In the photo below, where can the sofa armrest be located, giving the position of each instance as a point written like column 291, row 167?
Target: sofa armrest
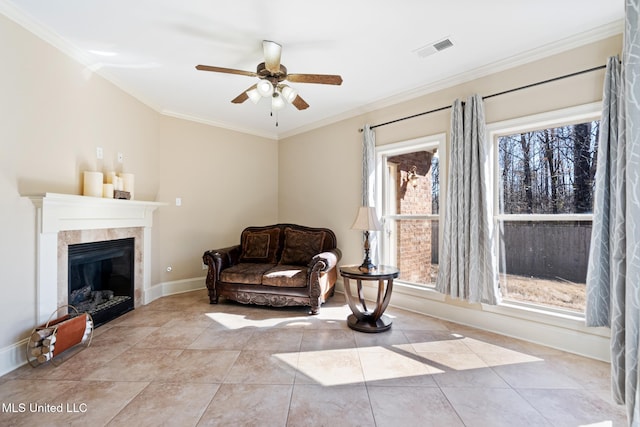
column 322, row 276
column 222, row 258
column 329, row 259
column 217, row 260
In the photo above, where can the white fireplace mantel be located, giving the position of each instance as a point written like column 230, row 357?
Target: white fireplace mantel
column 64, row 212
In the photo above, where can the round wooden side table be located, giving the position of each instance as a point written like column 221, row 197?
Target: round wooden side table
column 364, row 319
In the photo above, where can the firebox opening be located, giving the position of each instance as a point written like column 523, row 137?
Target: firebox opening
column 101, row 278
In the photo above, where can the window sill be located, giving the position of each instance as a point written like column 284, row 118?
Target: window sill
column 510, row 307
column 539, row 314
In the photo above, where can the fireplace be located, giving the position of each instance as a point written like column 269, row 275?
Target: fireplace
column 63, row 220
column 101, row 278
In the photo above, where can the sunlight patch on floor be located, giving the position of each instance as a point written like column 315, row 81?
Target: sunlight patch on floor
column 381, row 363
column 239, row 321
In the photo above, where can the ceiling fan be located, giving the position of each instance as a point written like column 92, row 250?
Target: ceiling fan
column 272, row 74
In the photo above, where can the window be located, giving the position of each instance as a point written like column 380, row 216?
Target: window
column 545, row 170
column 408, row 177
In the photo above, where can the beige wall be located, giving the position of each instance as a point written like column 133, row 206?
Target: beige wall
column 54, row 115
column 313, row 192
column 226, row 180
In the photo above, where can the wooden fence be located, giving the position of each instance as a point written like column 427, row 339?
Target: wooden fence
column 547, row 250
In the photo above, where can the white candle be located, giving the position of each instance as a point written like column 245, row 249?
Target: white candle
column 107, row 191
column 92, row 184
column 110, row 176
column 128, row 180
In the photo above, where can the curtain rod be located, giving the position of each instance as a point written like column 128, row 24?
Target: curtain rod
column 599, row 67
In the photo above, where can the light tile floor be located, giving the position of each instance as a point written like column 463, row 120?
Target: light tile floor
column 180, row 361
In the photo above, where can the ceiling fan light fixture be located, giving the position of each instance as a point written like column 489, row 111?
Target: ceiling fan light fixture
column 277, row 102
column 288, row 93
column 254, row 95
column 271, row 73
column 265, row 88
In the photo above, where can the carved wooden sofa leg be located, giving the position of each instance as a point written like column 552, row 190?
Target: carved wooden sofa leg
column 315, row 309
column 213, row 297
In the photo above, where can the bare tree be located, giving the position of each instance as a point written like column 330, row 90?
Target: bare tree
column 435, row 185
column 525, row 143
column 548, row 137
column 550, row 170
column 582, row 192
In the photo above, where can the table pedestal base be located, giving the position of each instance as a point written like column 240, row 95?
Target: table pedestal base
column 368, row 324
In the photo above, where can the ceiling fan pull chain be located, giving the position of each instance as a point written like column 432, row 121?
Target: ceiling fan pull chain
column 271, row 114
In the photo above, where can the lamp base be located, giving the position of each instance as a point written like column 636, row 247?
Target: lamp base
column 367, row 266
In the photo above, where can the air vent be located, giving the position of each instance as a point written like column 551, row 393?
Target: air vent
column 432, row 48
column 444, row 44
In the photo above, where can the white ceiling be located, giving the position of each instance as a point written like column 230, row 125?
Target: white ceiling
column 150, row 48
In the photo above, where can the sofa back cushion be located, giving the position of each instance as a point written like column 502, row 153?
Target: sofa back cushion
column 301, row 245
column 260, row 246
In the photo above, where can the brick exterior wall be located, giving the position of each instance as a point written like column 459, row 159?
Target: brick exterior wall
column 414, row 236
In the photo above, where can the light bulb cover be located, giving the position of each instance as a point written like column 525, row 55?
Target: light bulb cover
column 289, row 93
column 265, row 88
column 254, row 95
column 277, row 102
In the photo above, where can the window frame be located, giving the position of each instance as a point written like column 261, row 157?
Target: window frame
column 382, row 191
column 550, row 119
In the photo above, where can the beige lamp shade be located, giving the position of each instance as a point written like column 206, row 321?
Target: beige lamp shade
column 366, row 220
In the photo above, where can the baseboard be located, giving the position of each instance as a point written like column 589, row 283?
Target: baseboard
column 174, row 287
column 564, row 333
column 13, row 356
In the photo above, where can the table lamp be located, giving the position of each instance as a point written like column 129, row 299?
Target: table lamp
column 366, row 220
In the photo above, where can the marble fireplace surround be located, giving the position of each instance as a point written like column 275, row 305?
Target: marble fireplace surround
column 63, row 219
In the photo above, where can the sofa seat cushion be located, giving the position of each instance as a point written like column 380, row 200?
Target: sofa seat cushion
column 248, row 273
column 287, row 276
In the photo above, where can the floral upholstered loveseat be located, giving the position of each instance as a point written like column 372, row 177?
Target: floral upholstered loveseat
column 277, row 265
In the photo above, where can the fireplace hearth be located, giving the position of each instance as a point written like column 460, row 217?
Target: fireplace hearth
column 101, row 278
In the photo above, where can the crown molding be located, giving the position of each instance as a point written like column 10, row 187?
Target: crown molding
column 563, row 45
column 578, row 40
column 599, row 33
column 222, row 125
column 32, row 25
column 54, row 39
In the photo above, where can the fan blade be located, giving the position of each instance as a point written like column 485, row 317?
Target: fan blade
column 225, row 70
column 324, row 79
column 243, row 96
column 300, row 103
column 240, row 98
column 272, row 53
